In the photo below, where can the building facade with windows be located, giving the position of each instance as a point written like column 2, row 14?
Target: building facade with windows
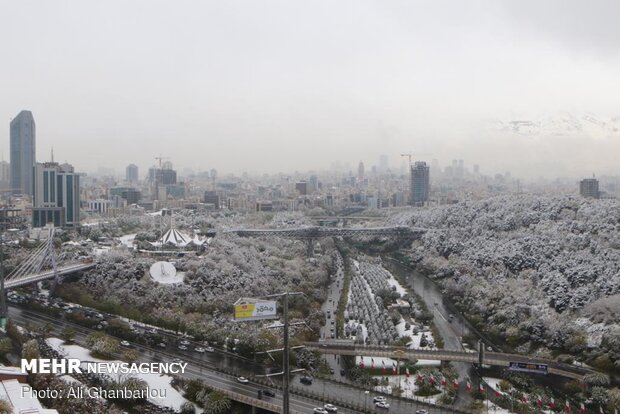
column 23, row 153
column 56, row 195
column 420, row 183
column 588, row 187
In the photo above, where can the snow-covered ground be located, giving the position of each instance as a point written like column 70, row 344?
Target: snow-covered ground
column 408, row 388
column 166, row 273
column 174, row 399
column 127, row 240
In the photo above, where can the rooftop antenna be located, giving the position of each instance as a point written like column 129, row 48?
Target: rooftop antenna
column 52, row 154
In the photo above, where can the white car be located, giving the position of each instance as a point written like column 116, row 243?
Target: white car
column 243, row 380
column 184, row 342
column 319, row 410
column 379, row 398
column 125, row 343
column 382, row 404
column 199, row 349
column 182, row 347
column 209, row 349
column 330, row 407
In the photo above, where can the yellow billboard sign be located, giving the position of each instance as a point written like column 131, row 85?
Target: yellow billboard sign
column 252, row 309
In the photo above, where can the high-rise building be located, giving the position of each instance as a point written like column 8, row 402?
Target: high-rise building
column 131, row 173
column 420, row 183
column 360, row 171
column 23, row 153
column 56, row 197
column 588, row 187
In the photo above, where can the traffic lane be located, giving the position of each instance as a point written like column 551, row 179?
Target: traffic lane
column 451, row 332
column 331, row 391
column 217, row 380
column 195, row 369
column 221, row 360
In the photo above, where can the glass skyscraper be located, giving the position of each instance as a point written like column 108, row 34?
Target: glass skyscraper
column 23, row 153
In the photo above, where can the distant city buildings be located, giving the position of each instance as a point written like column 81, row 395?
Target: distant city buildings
column 23, row 153
column 588, row 187
column 131, row 173
column 56, row 197
column 302, row 187
column 211, row 197
column 420, row 183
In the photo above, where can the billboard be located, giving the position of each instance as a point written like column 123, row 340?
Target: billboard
column 254, row 309
column 528, row 367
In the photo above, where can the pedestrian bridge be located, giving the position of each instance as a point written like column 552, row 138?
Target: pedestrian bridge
column 481, row 357
column 41, row 265
column 314, row 232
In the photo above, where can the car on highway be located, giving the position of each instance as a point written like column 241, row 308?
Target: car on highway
column 319, row 410
column 184, row 342
column 269, row 393
column 379, row 398
column 421, row 412
column 242, row 380
column 331, row 371
column 161, row 344
column 330, row 407
column 209, row 349
column 343, row 372
column 306, row 380
column 182, row 347
column 382, row 404
column 125, row 343
column 199, row 349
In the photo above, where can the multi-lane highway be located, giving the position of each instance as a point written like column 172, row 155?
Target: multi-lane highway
column 210, row 368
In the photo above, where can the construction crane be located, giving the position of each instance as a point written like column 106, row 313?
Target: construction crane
column 160, row 158
column 409, row 155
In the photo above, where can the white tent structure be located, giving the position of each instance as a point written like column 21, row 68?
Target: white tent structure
column 176, row 238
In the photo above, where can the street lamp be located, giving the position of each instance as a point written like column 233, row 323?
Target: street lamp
column 365, row 398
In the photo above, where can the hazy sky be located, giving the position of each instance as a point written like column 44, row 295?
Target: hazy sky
column 267, row 86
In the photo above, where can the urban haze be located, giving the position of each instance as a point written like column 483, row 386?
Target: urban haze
column 321, row 207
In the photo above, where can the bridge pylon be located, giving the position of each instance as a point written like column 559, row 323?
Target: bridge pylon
column 43, row 256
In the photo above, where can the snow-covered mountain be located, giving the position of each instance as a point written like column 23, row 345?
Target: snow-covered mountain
column 562, row 124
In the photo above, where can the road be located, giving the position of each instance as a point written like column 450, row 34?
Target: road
column 207, row 367
column 452, row 332
column 331, row 306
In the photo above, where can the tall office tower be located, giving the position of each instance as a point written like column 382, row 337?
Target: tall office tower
column 56, row 197
column 360, row 171
column 588, row 187
column 23, row 153
column 420, row 183
column 131, row 173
